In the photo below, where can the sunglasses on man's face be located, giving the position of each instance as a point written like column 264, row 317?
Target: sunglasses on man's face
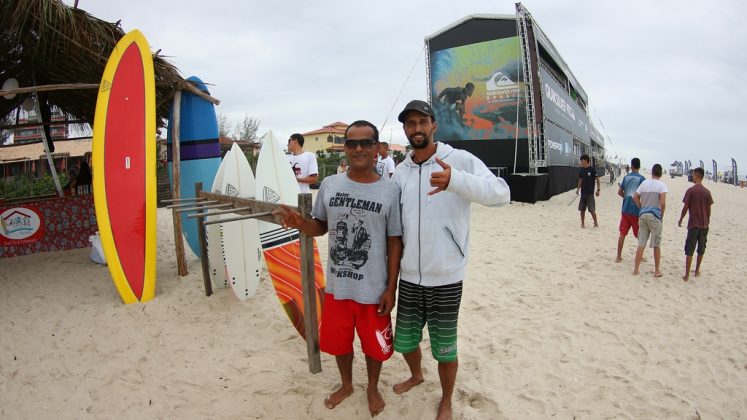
column 365, row 143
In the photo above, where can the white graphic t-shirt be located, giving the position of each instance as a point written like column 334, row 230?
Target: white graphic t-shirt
column 303, row 165
column 385, row 166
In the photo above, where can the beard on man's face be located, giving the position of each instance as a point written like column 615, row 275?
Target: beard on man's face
column 418, row 144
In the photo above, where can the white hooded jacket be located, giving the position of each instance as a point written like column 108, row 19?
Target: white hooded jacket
column 436, row 227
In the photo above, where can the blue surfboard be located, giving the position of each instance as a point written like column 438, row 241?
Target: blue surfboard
column 199, row 152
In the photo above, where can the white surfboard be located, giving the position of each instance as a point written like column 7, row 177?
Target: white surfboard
column 214, row 235
column 241, row 246
column 275, row 184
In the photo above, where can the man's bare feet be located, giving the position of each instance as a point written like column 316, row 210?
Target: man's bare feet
column 635, row 272
column 685, row 277
column 337, row 397
column 596, row 225
column 658, row 274
column 407, row 385
column 444, row 411
column 697, row 274
column 376, row 402
column 618, row 259
column 583, row 227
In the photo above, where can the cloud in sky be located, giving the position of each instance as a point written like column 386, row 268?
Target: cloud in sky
column 662, row 77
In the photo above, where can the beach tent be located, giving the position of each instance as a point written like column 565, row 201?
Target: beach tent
column 57, row 53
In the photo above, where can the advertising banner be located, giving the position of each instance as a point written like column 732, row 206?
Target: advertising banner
column 559, row 145
column 734, row 173
column 559, row 108
column 476, row 91
column 20, row 225
column 715, row 171
column 51, row 224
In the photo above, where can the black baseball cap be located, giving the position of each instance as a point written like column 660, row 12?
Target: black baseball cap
column 416, row 105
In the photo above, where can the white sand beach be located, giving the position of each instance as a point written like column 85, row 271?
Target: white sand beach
column 550, row 327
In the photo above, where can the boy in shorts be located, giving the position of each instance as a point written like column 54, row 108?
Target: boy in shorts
column 698, row 201
column 629, row 217
column 361, row 212
column 651, row 198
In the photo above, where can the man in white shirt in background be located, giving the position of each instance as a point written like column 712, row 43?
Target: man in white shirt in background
column 302, row 162
column 651, row 199
column 384, row 163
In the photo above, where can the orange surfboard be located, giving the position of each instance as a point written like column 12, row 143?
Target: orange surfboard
column 282, row 250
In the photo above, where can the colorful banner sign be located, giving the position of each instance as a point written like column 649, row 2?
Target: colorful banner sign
column 476, row 92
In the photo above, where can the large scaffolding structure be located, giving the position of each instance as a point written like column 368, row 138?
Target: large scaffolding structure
column 536, row 140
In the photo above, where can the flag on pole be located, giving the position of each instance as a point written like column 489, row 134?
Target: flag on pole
column 734, row 176
column 715, row 171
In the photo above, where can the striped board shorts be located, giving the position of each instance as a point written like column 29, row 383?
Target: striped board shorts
column 436, row 306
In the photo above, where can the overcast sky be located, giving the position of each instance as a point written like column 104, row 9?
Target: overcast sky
column 662, row 77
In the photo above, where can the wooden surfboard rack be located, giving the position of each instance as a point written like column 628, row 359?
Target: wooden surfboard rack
column 259, row 210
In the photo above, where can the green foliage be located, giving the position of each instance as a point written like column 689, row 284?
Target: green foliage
column 25, row 185
column 327, row 163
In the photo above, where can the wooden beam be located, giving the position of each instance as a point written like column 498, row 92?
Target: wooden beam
column 233, row 219
column 246, row 206
column 186, row 85
column 308, row 286
column 205, row 207
column 202, row 235
column 214, row 213
column 38, row 124
column 181, row 259
column 48, row 88
column 189, row 203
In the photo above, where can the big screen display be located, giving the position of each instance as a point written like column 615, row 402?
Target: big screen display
column 476, row 92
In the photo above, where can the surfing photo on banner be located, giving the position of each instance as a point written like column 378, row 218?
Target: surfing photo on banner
column 476, row 91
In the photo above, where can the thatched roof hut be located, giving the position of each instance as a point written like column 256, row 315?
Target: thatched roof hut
column 45, row 42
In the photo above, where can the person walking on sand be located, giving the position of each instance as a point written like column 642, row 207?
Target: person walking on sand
column 303, row 163
column 361, row 212
column 629, row 216
column 587, row 175
column 651, row 198
column 438, row 183
column 698, row 202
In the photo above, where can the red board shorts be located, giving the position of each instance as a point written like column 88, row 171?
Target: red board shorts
column 342, row 318
column 628, row 221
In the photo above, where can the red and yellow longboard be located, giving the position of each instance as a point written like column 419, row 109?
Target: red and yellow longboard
column 124, row 167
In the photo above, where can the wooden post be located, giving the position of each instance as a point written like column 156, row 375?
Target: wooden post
column 45, row 140
column 181, row 260
column 203, row 247
column 308, row 286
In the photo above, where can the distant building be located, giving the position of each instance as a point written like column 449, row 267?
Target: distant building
column 331, row 137
column 30, row 158
column 31, row 134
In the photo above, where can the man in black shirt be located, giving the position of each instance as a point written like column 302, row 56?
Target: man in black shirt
column 586, row 177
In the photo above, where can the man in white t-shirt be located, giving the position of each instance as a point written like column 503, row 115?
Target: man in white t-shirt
column 651, row 199
column 384, row 163
column 302, row 162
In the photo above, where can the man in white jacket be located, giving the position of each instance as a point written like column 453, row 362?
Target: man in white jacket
column 438, row 184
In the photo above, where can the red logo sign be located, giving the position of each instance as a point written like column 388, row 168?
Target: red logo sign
column 20, row 225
